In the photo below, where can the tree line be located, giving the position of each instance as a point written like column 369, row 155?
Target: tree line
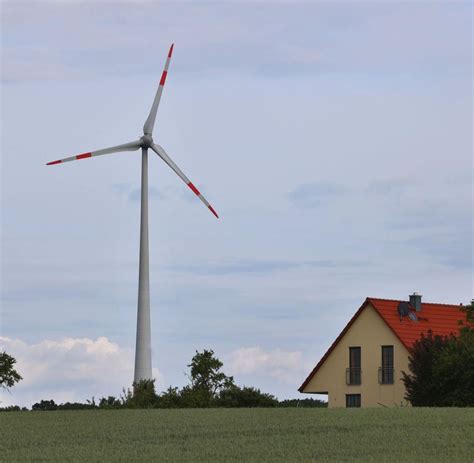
column 208, row 387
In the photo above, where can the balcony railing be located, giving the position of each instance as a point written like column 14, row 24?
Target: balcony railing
column 386, row 375
column 353, row 376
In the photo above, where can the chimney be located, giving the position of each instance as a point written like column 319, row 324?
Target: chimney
column 415, row 301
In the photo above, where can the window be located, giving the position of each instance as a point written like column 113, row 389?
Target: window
column 352, row 400
column 386, row 370
column 353, row 373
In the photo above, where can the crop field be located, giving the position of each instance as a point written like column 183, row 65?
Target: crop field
column 247, row 435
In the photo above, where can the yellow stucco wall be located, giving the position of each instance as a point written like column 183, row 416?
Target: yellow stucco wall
column 369, row 332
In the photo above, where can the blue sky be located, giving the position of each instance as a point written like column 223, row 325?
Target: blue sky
column 333, row 139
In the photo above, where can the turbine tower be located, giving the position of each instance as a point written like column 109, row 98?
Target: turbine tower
column 143, row 342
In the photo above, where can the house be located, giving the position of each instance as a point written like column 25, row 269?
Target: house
column 363, row 367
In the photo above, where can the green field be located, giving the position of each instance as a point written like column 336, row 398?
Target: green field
column 247, row 435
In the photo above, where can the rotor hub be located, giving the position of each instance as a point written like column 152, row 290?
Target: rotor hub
column 147, row 141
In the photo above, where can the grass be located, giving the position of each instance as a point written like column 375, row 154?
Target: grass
column 247, row 435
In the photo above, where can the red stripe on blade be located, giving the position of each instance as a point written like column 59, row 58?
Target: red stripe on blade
column 163, row 78
column 53, row 162
column 213, row 211
column 196, row 191
column 171, row 50
column 84, row 155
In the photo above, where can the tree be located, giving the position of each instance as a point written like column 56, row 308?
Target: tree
column 8, row 375
column 110, row 402
column 454, row 370
column 421, row 388
column 441, row 371
column 45, row 405
column 191, row 397
column 207, row 379
column 171, row 398
column 211, row 387
column 143, row 396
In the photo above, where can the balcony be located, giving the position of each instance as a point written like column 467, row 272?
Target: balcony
column 386, row 375
column 353, row 376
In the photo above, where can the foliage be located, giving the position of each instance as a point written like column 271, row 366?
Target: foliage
column 110, row 402
column 51, row 405
column 191, row 397
column 75, row 406
column 468, row 311
column 454, row 371
column 441, row 371
column 244, row 397
column 260, row 435
column 207, row 379
column 13, row 408
column 421, row 390
column 144, row 395
column 8, row 375
column 303, row 403
column 45, row 405
column 171, row 398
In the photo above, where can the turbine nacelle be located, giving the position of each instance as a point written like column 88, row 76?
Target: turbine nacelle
column 146, row 141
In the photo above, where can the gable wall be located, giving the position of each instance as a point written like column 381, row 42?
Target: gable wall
column 369, row 332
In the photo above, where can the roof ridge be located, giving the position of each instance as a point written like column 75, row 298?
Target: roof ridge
column 423, row 302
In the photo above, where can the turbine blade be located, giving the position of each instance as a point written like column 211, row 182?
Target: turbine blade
column 132, row 146
column 162, row 154
column 150, row 122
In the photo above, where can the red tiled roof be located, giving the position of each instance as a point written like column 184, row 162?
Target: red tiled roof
column 441, row 319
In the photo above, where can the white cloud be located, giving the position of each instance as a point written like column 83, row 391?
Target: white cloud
column 277, row 363
column 69, row 369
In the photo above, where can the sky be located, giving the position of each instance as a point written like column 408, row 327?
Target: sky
column 334, row 139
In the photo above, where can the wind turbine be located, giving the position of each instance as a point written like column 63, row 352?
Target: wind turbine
column 143, row 341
